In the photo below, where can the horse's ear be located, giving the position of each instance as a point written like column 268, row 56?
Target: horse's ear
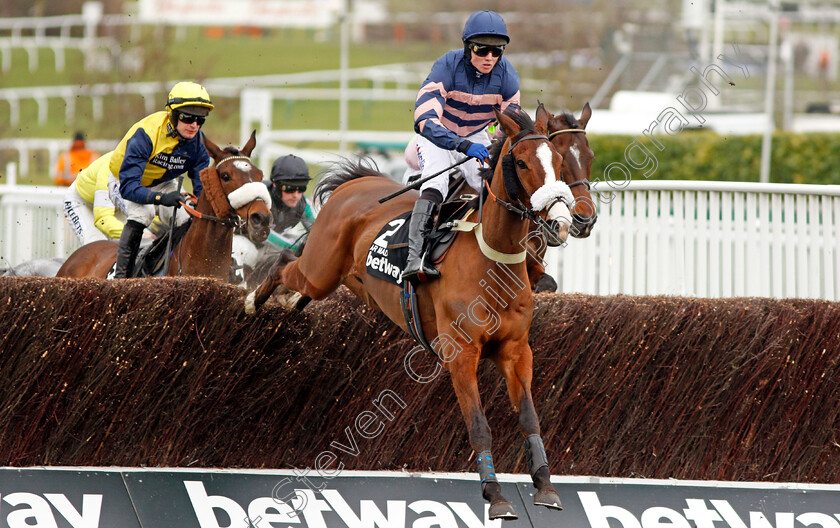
column 212, row 149
column 249, row 146
column 543, row 117
column 509, row 126
column 585, row 115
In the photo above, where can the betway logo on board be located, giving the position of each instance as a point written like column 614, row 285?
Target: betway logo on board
column 329, row 508
column 30, row 510
column 218, row 511
column 699, row 513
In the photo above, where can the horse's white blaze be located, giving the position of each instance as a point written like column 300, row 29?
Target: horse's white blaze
column 243, row 165
column 575, row 153
column 544, row 154
column 560, row 212
column 248, row 193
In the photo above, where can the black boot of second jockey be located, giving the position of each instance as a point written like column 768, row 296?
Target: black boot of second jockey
column 421, row 222
column 129, row 247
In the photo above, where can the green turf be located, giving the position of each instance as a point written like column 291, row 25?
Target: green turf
column 192, row 55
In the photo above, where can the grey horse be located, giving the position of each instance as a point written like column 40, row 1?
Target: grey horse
column 44, row 267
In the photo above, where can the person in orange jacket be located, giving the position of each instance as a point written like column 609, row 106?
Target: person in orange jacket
column 73, row 161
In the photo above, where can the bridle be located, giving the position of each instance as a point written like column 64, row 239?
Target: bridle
column 233, row 220
column 513, row 183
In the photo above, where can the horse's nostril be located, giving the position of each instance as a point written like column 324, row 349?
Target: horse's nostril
column 258, row 219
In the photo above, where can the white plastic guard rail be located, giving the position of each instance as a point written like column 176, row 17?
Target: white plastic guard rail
column 32, row 223
column 701, row 239
column 707, row 239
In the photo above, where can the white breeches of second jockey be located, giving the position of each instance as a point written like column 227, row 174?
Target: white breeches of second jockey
column 434, row 159
column 79, row 213
column 145, row 213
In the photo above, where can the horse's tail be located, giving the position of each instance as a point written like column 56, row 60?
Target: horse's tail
column 342, row 172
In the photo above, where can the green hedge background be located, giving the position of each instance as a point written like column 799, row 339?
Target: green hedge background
column 702, row 155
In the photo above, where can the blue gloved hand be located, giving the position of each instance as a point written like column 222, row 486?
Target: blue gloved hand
column 473, row 150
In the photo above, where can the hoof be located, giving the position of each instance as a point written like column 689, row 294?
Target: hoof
column 502, row 510
column 289, row 300
column 545, row 283
column 250, row 309
column 549, row 499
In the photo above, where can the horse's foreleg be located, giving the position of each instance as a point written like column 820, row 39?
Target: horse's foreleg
column 463, row 371
column 518, row 373
column 274, row 280
column 539, row 280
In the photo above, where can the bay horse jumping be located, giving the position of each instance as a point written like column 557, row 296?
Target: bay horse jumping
column 568, row 135
column 481, row 307
column 233, row 194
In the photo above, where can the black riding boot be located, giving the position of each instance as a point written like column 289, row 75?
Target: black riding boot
column 421, row 222
column 129, row 246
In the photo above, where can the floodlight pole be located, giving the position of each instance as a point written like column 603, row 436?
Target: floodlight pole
column 343, row 67
column 769, row 92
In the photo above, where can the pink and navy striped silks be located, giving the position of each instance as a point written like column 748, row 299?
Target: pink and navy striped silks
column 456, row 100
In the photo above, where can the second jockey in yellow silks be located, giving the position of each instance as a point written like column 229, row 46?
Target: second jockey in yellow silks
column 147, row 161
column 88, row 206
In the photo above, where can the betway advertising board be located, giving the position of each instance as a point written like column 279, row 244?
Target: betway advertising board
column 162, row 498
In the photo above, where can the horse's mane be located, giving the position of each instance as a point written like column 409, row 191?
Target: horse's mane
column 524, row 121
column 342, row 172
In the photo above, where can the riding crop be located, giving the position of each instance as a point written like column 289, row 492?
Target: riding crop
column 418, row 183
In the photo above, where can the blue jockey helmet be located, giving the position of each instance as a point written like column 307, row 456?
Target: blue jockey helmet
column 486, row 27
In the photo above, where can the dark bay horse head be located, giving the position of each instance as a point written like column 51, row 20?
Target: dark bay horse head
column 568, row 135
column 530, row 167
column 235, row 189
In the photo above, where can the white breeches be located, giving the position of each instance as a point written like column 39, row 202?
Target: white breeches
column 80, row 215
column 434, row 159
column 145, row 213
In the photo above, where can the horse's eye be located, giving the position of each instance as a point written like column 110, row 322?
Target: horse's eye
column 521, row 164
column 225, row 176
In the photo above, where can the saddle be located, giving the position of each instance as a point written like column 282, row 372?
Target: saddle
column 388, row 254
column 151, row 256
column 443, row 234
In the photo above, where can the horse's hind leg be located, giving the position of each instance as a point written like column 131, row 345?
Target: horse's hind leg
column 463, row 372
column 517, row 370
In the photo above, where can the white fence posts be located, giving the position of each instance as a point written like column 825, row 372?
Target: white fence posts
column 699, row 239
column 708, row 239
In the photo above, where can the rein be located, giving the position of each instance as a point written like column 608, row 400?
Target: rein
column 231, row 221
column 519, row 209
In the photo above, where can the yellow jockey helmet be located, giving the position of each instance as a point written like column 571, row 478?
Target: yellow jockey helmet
column 189, row 94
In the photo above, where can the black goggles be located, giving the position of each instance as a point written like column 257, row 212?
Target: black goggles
column 190, row 119
column 483, row 49
column 292, row 188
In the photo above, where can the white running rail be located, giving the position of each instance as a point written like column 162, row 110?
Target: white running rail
column 32, row 224
column 708, row 239
column 699, row 239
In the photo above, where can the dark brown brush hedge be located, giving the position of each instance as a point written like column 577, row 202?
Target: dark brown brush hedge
column 171, row 372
